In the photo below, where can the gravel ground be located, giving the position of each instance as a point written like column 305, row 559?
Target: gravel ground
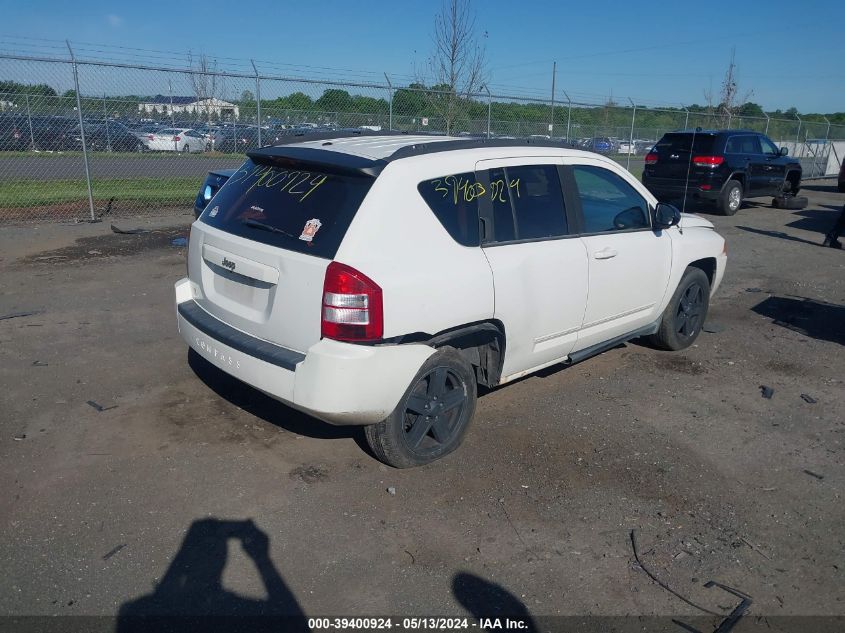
column 195, row 492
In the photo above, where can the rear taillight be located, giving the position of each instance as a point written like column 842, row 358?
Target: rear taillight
column 352, row 305
column 151, row 137
column 176, row 138
column 708, row 161
column 650, row 158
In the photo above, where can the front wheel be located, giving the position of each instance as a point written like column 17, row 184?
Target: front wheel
column 186, row 149
column 682, row 319
column 731, row 198
column 433, row 415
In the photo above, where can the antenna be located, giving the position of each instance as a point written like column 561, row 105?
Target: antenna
column 689, row 166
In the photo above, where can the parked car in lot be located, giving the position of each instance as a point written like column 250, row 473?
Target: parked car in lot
column 627, row 147
column 14, row 133
column 236, row 140
column 48, row 133
column 600, row 144
column 353, row 277
column 643, row 147
column 176, row 140
column 108, row 136
column 213, row 181
column 719, row 168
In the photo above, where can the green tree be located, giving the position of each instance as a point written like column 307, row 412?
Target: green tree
column 13, row 87
column 299, row 101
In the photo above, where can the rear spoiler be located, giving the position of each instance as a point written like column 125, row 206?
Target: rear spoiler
column 318, row 159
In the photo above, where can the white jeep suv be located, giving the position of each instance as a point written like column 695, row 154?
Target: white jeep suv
column 378, row 279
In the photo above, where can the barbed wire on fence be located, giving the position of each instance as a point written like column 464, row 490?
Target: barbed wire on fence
column 80, row 137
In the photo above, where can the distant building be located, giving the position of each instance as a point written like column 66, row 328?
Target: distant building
column 216, row 108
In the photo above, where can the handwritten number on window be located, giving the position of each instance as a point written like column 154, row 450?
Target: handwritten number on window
column 461, row 189
column 296, row 183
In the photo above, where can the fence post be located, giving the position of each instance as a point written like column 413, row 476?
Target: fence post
column 82, row 131
column 170, row 89
column 489, row 108
column 631, row 137
column 767, row 124
column 106, row 123
column 686, row 120
column 389, row 103
column 568, row 116
column 29, row 120
column 552, row 122
column 257, row 100
column 798, row 134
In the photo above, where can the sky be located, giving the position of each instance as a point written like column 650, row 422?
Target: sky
column 654, row 53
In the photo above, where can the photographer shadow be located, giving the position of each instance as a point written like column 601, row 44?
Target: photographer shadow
column 191, row 595
column 486, row 600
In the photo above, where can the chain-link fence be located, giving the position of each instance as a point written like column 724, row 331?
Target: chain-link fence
column 80, row 139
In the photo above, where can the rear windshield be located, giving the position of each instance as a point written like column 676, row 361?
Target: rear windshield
column 298, row 209
column 684, row 143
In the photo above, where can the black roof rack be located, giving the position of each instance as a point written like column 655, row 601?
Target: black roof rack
column 305, row 136
column 351, row 163
column 472, row 143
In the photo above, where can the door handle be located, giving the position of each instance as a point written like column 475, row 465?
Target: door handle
column 605, row 253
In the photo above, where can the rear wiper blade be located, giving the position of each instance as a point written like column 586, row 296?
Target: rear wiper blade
column 267, row 227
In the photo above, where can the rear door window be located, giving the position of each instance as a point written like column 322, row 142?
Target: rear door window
column 527, row 203
column 296, row 208
column 742, row 144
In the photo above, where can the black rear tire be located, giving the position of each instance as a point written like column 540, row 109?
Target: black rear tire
column 682, row 319
column 730, row 200
column 433, row 415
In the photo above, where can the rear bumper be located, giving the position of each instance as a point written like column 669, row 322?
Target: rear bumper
column 339, row 383
column 667, row 190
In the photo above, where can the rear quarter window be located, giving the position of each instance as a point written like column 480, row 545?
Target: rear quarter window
column 454, row 201
column 294, row 207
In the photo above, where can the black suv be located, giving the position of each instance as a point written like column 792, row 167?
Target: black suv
column 719, row 166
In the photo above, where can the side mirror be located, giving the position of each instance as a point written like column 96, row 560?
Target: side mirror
column 666, row 216
column 784, row 151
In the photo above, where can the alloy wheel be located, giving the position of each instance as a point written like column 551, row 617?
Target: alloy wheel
column 690, row 311
column 434, row 410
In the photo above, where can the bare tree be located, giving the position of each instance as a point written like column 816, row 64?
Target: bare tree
column 205, row 81
column 458, row 61
column 731, row 102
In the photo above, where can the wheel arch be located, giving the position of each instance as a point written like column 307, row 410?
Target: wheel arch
column 482, row 344
column 793, row 176
column 739, row 176
column 707, row 265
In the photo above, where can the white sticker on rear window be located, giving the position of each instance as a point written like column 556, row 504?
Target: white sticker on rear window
column 310, row 230
column 214, row 211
